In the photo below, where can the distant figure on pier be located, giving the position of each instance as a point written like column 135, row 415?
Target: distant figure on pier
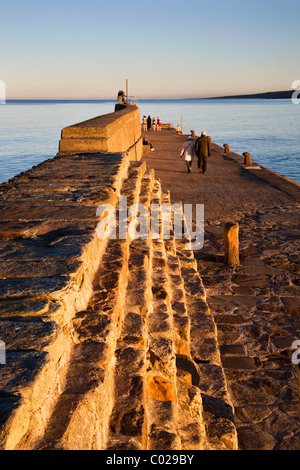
column 149, row 123
column 158, row 126
column 147, row 142
column 178, row 129
column 202, row 150
column 144, row 123
column 121, row 97
column 188, row 152
column 154, row 124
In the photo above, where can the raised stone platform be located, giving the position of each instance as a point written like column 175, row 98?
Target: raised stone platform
column 115, row 132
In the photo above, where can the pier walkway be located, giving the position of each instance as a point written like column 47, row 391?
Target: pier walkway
column 255, row 305
column 128, row 343
column 228, row 190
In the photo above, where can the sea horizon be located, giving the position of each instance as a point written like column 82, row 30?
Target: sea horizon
column 267, row 128
column 83, row 100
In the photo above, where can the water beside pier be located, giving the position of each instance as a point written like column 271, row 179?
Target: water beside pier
column 268, row 129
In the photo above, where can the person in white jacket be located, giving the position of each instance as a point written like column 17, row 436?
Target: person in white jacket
column 188, row 152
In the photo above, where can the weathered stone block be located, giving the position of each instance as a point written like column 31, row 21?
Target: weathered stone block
column 44, row 287
column 9, row 407
column 128, row 418
column 238, row 362
column 163, row 439
column 159, row 388
column 25, row 309
column 21, row 370
column 28, row 335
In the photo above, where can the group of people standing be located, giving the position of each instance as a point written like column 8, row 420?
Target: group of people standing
column 151, row 124
column 196, row 147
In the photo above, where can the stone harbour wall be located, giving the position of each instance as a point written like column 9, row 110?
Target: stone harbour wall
column 110, row 344
column 115, row 132
column 49, row 255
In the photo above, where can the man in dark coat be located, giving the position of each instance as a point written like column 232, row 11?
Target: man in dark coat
column 202, row 150
column 149, row 123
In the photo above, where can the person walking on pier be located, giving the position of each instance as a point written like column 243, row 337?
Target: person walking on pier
column 144, row 123
column 149, row 123
column 188, row 152
column 202, row 150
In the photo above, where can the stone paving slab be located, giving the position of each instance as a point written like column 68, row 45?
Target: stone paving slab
column 26, row 309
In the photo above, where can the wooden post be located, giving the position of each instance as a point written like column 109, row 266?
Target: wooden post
column 231, row 235
column 247, row 158
column 226, row 148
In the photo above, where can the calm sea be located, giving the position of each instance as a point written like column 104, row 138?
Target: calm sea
column 268, row 129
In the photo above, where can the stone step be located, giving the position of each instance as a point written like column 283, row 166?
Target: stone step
column 128, row 414
column 202, row 422
column 81, row 415
column 161, row 378
column 89, row 145
column 190, row 427
column 145, row 412
column 161, row 392
column 215, row 429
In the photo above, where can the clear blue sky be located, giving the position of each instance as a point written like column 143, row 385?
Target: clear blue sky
column 70, row 49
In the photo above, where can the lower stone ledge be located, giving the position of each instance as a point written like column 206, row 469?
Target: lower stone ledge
column 35, row 378
column 36, row 312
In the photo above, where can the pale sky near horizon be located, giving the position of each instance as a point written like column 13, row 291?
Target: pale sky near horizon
column 69, row 49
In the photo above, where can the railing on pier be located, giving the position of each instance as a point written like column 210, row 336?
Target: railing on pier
column 132, row 100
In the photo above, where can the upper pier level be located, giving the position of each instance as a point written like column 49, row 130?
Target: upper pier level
column 119, row 131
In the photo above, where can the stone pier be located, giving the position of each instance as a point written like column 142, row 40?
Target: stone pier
column 142, row 344
column 110, row 344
